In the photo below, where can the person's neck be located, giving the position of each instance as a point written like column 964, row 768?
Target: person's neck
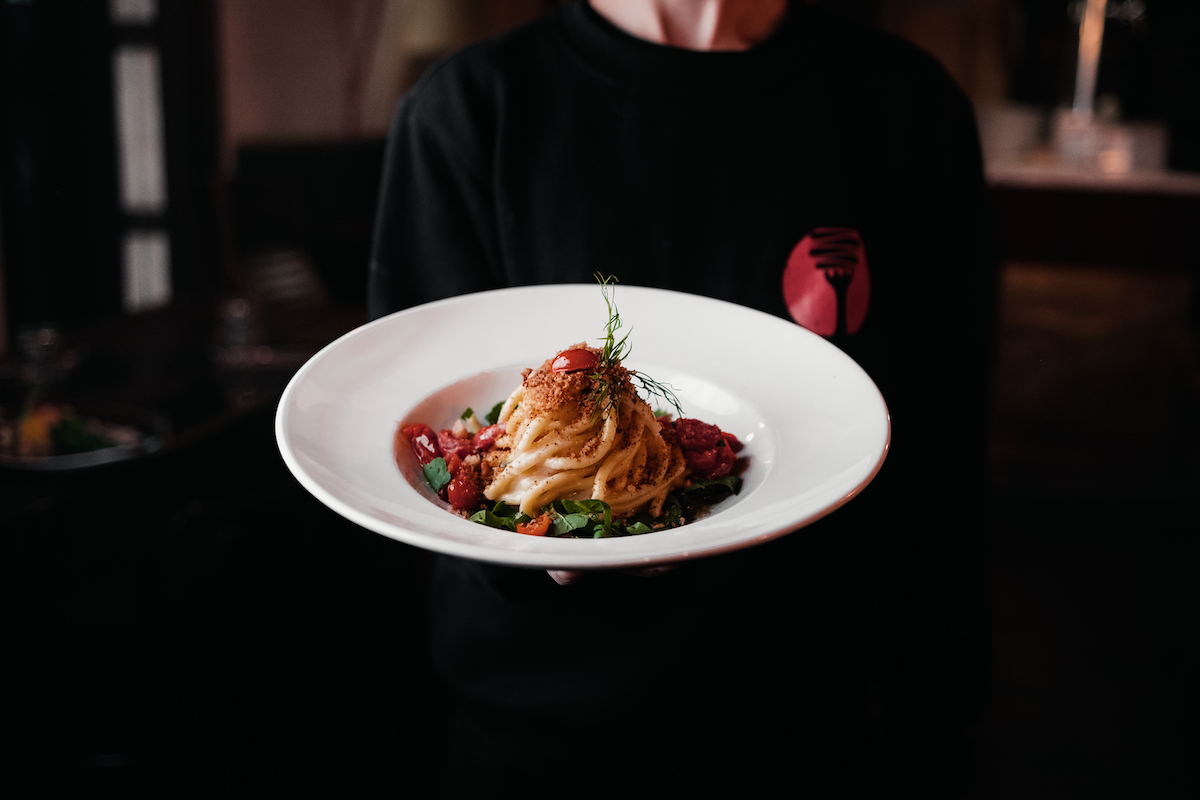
column 696, row 24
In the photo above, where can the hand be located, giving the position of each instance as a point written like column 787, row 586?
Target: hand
column 565, row 577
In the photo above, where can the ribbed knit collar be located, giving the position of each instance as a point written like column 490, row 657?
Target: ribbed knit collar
column 642, row 64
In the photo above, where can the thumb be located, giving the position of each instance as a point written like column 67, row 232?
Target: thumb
column 564, row 577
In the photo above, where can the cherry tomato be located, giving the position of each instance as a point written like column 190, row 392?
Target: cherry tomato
column 732, row 442
column 713, row 462
column 423, row 441
column 449, row 443
column 702, row 461
column 574, row 360
column 487, row 436
column 697, row 435
column 453, row 463
column 726, row 458
column 463, row 493
column 538, row 526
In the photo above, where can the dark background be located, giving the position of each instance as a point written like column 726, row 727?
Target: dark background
column 195, row 624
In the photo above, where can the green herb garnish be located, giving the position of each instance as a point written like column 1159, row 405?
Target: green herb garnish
column 614, row 351
column 707, row 492
column 493, row 416
column 501, row 515
column 592, row 519
column 437, row 473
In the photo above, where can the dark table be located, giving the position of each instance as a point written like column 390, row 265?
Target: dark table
column 192, row 622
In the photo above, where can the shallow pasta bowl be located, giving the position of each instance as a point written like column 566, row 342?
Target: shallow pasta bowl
column 815, row 427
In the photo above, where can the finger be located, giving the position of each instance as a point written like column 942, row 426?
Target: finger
column 564, row 577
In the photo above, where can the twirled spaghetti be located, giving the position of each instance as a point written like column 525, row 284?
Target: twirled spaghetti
column 579, row 434
column 575, row 451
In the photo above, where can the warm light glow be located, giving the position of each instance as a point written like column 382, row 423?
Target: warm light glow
column 1091, row 33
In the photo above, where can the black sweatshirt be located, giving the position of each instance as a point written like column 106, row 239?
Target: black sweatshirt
column 566, row 148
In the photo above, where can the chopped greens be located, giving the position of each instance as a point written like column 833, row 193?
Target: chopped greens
column 501, row 515
column 470, row 412
column 592, row 519
column 708, row 492
column 493, row 416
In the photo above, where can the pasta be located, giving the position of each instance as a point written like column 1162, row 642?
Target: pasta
column 575, row 451
column 582, row 434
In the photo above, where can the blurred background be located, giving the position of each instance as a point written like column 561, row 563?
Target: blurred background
column 187, row 190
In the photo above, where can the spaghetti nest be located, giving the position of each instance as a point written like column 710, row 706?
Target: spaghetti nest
column 581, row 435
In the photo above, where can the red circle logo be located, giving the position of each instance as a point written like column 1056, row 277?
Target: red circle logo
column 826, row 283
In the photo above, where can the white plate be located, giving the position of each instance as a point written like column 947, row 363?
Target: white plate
column 815, row 427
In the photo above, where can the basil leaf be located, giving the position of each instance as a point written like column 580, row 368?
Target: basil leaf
column 501, row 515
column 436, row 473
column 503, row 509
column 709, row 492
column 467, row 414
column 604, row 525
column 565, row 524
column 589, row 507
column 494, row 415
column 583, row 518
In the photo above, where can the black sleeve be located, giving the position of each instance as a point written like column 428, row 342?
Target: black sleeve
column 435, row 231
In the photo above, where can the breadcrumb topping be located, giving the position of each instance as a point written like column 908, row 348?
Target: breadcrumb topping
column 572, row 393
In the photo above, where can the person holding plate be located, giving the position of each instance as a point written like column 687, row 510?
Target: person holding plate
column 769, row 154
